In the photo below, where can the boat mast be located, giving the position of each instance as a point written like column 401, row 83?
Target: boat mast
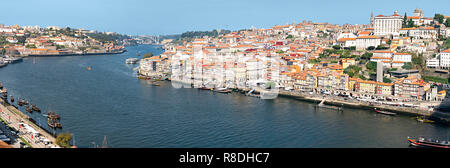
column 105, row 143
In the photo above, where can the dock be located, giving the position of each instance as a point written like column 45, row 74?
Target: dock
column 16, row 119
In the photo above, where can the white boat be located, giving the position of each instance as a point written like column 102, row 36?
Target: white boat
column 131, row 60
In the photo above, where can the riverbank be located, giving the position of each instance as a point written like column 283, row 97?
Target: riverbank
column 39, row 138
column 77, row 54
column 438, row 116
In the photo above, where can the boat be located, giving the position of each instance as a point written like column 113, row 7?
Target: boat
column 384, row 112
column 428, row 143
column 1, row 85
column 155, row 84
column 28, row 109
column 139, row 54
column 88, row 68
column 52, row 115
column 20, row 102
column 131, row 60
column 54, row 123
column 12, row 99
column 224, row 91
column 33, row 107
column 424, row 119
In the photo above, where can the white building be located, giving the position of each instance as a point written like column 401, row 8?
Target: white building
column 404, row 57
column 388, row 25
column 432, row 63
column 444, row 59
column 366, row 41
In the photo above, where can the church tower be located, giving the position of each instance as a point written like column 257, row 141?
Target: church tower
column 371, row 19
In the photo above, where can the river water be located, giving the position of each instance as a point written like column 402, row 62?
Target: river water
column 110, row 101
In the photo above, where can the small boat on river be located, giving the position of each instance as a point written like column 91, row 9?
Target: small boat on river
column 28, row 109
column 424, row 119
column 384, row 112
column 33, row 107
column 12, row 99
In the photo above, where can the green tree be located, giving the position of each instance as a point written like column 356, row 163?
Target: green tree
column 439, row 17
column 336, row 47
column 371, row 48
column 410, row 23
column 148, row 55
column 387, row 80
column 352, row 70
column 372, row 66
column 63, row 140
column 366, row 56
column 407, row 65
column 447, row 23
column 404, row 22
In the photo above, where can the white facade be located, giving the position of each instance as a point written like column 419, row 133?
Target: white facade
column 404, row 57
column 444, row 59
column 367, row 41
column 432, row 63
column 387, row 25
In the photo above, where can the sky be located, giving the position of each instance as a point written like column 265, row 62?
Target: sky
column 164, row 17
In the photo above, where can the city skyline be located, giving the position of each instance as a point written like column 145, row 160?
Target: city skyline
column 140, row 17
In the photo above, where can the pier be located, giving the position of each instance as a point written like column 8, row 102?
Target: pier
column 16, row 119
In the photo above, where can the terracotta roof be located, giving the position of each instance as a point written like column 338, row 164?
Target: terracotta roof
column 368, row 37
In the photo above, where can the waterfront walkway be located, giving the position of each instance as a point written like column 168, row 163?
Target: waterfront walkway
column 17, row 119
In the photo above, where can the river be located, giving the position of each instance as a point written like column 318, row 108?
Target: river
column 110, row 101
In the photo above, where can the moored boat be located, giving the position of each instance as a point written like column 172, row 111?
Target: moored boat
column 384, row 112
column 33, row 107
column 28, row 109
column 424, row 119
column 429, row 143
column 12, row 99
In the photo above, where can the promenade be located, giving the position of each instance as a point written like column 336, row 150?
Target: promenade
column 17, row 120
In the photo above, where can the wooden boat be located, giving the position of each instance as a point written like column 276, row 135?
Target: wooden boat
column 424, row 119
column 384, row 112
column 12, row 99
column 205, row 88
column 33, row 107
column 54, row 123
column 28, row 109
column 20, row 102
column 52, row 115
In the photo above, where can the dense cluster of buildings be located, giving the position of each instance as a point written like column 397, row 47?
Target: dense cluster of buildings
column 294, row 57
column 52, row 40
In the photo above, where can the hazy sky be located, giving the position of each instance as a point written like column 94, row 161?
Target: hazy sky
column 152, row 17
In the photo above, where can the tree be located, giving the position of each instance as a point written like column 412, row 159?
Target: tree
column 366, row 56
column 407, row 65
column 371, row 48
column 63, row 140
column 405, row 18
column 439, row 17
column 372, row 66
column 387, row 80
column 148, row 55
column 410, row 23
column 447, row 22
column 352, row 70
column 336, row 47
column 290, row 36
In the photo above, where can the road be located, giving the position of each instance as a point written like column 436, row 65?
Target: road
column 13, row 120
